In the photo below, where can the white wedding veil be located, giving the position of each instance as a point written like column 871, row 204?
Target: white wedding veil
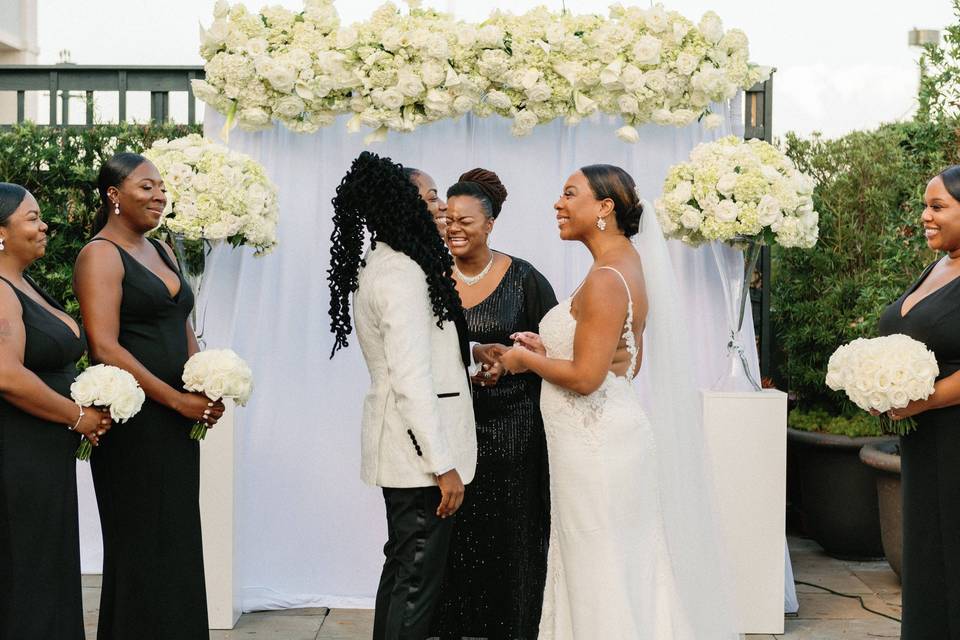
column 699, row 562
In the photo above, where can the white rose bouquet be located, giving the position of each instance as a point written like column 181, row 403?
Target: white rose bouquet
column 881, row 374
column 732, row 189
column 214, row 193
column 108, row 387
column 218, row 374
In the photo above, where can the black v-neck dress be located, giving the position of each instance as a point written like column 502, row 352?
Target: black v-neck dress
column 930, row 473
column 40, row 594
column 147, row 477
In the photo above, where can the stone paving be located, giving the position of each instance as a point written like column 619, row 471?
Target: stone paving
column 823, row 616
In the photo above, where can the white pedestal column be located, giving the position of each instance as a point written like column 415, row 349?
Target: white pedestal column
column 747, row 440
column 217, row 514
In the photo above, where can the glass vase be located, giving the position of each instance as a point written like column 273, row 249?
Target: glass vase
column 735, row 277
column 192, row 256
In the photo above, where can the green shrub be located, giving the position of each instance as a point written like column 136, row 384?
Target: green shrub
column 59, row 166
column 862, row 424
column 871, row 247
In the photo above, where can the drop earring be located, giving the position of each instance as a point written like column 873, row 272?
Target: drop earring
column 601, row 223
column 1, row 244
column 116, row 208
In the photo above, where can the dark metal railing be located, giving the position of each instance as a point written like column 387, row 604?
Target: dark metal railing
column 758, row 123
column 62, row 79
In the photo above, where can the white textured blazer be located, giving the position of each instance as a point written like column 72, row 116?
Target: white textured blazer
column 418, row 414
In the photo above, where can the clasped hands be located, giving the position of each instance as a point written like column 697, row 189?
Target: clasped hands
column 497, row 360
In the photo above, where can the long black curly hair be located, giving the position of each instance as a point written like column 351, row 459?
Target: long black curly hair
column 377, row 195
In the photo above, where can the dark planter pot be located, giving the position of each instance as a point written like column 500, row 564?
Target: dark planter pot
column 838, row 494
column 884, row 458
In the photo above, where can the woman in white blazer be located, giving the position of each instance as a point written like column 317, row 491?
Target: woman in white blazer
column 418, row 436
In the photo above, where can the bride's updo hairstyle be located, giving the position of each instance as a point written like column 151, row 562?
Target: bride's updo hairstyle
column 609, row 181
column 485, row 186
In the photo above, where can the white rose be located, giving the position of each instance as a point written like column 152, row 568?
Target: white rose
column 438, row 101
column 392, row 39
column 628, row 104
column 656, row 19
column 346, row 37
column 583, row 104
column 711, row 27
column 253, row 118
column 289, row 107
column 498, row 100
column 490, row 37
column 628, row 134
column 436, row 46
column 727, row 183
column 726, row 211
column 433, row 73
column 691, row 218
column 687, row 63
column 632, row 78
column 391, row 98
column 523, row 123
column 646, row 50
column 463, row 104
column 409, row 84
column 540, row 92
column 610, row 75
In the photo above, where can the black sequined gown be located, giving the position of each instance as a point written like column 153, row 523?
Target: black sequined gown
column 930, row 472
column 497, row 562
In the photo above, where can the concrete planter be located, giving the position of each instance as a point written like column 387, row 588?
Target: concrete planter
column 884, row 458
column 838, row 494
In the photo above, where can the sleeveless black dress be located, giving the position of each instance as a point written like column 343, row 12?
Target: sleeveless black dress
column 39, row 532
column 497, row 563
column 930, row 473
column 146, row 473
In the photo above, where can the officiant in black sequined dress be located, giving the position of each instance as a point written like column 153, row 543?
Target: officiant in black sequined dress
column 497, row 561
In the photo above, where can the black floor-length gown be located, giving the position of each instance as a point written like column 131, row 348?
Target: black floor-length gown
column 497, row 562
column 146, row 473
column 40, row 593
column 930, row 474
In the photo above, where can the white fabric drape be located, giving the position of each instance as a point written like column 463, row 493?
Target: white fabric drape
column 310, row 533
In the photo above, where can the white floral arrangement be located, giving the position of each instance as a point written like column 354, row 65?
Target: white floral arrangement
column 107, row 387
column 398, row 71
column 218, row 374
column 214, row 193
column 881, row 374
column 732, row 189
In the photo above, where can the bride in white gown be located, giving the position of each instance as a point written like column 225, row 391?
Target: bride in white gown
column 633, row 541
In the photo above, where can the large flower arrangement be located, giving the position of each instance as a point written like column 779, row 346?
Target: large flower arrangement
column 214, row 193
column 398, row 71
column 732, row 189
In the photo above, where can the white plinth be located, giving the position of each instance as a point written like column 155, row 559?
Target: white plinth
column 747, row 439
column 217, row 514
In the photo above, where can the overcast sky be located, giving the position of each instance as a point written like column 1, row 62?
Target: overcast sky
column 841, row 64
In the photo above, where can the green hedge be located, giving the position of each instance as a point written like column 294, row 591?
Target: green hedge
column 59, row 166
column 871, row 248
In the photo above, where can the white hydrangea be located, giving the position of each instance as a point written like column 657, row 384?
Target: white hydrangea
column 218, row 194
column 731, row 188
column 883, row 373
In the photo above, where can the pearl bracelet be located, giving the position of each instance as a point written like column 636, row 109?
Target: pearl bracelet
column 79, row 418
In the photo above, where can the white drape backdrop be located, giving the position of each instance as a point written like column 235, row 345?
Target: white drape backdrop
column 310, row 533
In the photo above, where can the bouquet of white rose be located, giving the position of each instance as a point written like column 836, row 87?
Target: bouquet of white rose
column 108, row 387
column 214, row 193
column 218, row 374
column 885, row 373
column 733, row 189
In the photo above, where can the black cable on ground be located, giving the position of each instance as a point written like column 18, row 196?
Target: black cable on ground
column 847, row 595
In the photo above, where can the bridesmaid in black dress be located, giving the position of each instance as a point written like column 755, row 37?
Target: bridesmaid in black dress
column 498, row 554
column 929, row 311
column 39, row 348
column 135, row 308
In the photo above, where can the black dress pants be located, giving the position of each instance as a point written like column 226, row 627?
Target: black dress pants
column 415, row 558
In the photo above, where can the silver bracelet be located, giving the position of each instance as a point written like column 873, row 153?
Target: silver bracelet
column 79, row 418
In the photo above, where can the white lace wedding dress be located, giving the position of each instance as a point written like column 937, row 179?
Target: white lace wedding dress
column 608, row 568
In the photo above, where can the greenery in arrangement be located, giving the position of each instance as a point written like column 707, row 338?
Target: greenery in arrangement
column 869, row 195
column 59, row 166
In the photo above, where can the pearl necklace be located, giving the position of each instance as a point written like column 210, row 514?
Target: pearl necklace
column 472, row 280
